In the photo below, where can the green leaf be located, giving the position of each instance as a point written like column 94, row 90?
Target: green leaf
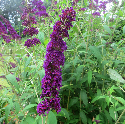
column 73, row 101
column 74, row 121
column 7, row 111
column 115, row 76
column 80, row 45
column 89, row 121
column 29, row 96
column 107, row 29
column 120, row 13
column 30, row 120
column 98, row 92
column 117, row 62
column 108, row 116
column 12, row 79
column 79, row 70
column 97, row 98
column 20, row 114
column 76, row 60
column 41, row 73
column 84, row 97
column 65, row 113
column 113, row 113
column 89, row 77
column 96, row 52
column 28, row 61
column 2, row 119
column 24, row 95
column 37, row 117
column 52, row 118
column 124, row 30
column 89, row 60
column 46, row 42
column 111, row 90
column 29, row 106
column 83, row 117
column 85, row 2
column 120, row 108
column 18, row 60
column 41, row 36
column 17, row 107
column 66, row 65
column 108, row 99
column 121, row 100
column 32, row 66
column 40, row 120
column 124, row 121
column 107, row 16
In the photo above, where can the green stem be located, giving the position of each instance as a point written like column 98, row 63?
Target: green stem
column 18, row 100
column 67, row 3
column 120, row 116
column 46, row 119
column 42, row 119
column 70, row 84
column 81, row 3
column 34, row 51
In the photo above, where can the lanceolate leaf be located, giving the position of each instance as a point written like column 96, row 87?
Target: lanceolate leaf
column 65, row 112
column 89, row 77
column 107, row 29
column 97, row 98
column 83, row 117
column 84, row 97
column 52, row 118
column 96, row 52
column 12, row 79
column 124, row 30
column 41, row 36
column 115, row 76
column 28, row 61
column 29, row 106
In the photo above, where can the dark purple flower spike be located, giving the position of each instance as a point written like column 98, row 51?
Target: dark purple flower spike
column 54, row 58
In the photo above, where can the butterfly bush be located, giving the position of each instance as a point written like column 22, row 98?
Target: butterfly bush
column 51, row 82
column 29, row 21
column 98, row 6
column 4, row 33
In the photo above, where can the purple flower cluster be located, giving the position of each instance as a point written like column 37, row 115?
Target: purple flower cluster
column 29, row 21
column 51, row 82
column 13, row 65
column 96, row 7
column 30, row 42
column 96, row 13
column 4, row 33
column 108, row 43
column 39, row 8
column 97, row 121
column 30, row 31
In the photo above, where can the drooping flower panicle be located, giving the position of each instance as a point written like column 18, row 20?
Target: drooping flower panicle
column 4, row 33
column 54, row 58
column 29, row 21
